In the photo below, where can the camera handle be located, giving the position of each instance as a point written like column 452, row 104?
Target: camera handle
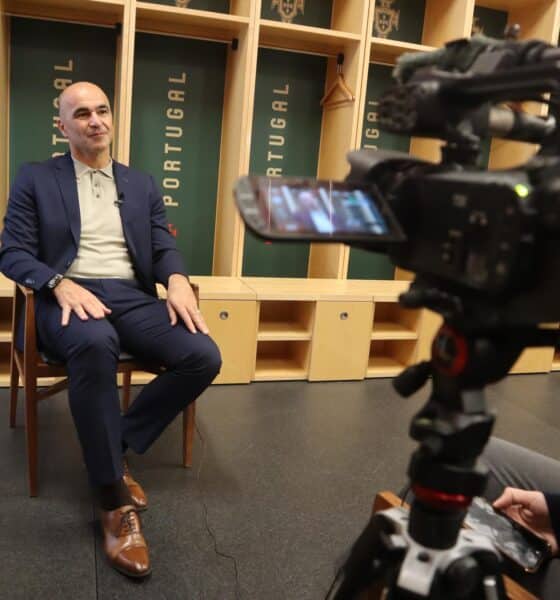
column 426, row 553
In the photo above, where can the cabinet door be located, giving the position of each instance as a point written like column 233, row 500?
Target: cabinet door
column 233, row 326
column 341, row 339
column 534, row 360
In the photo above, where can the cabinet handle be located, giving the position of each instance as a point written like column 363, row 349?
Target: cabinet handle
column 224, row 315
column 343, row 316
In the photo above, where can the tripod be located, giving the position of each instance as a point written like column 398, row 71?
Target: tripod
column 427, row 554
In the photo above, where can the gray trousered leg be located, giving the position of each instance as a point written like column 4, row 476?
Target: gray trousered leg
column 515, row 466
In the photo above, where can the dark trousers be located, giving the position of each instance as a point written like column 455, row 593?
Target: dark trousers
column 138, row 324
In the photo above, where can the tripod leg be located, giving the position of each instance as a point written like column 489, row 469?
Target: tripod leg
column 374, row 559
column 476, row 575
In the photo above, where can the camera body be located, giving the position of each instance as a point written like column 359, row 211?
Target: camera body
column 489, row 237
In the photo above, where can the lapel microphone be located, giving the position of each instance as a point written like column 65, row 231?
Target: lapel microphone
column 120, row 200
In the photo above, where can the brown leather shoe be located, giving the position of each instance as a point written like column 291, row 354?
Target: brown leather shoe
column 124, row 544
column 135, row 489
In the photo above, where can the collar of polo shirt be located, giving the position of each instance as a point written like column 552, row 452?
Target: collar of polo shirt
column 82, row 169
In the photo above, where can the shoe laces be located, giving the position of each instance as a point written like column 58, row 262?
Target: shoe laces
column 130, row 523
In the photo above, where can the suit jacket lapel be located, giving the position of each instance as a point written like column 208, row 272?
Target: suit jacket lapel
column 66, row 177
column 126, row 203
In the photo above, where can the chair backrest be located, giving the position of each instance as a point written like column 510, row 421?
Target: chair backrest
column 24, row 305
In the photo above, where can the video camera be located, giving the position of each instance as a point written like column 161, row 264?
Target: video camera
column 485, row 248
column 484, row 244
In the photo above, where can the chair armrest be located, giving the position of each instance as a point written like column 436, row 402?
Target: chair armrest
column 27, row 292
column 162, row 292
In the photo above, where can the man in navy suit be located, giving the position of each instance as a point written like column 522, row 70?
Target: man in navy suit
column 90, row 236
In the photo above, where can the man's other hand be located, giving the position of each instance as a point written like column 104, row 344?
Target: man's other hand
column 530, row 509
column 72, row 297
column 181, row 303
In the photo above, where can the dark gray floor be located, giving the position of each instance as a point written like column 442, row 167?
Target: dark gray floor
column 286, row 473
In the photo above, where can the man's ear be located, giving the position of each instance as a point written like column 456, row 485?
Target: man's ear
column 60, row 126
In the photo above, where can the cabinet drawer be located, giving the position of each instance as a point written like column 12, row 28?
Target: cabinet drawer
column 341, row 338
column 233, row 326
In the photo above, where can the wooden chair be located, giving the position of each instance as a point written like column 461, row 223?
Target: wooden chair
column 30, row 364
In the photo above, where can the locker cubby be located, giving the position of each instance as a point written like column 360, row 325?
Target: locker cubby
column 397, row 26
column 312, row 25
column 296, row 12
column 176, row 132
column 285, row 142
column 489, row 21
column 43, row 61
column 98, row 12
column 388, row 358
column 400, row 20
column 282, row 360
column 206, row 19
column 220, row 6
column 392, row 322
column 285, row 320
column 363, row 264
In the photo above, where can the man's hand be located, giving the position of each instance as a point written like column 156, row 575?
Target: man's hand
column 181, row 302
column 72, row 297
column 530, row 510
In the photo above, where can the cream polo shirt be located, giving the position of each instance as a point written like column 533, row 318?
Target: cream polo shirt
column 102, row 253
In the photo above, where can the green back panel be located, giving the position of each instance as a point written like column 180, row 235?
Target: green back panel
column 379, row 80
column 178, row 95
column 362, row 264
column 399, row 20
column 214, row 5
column 44, row 60
column 286, row 134
column 315, row 13
column 489, row 21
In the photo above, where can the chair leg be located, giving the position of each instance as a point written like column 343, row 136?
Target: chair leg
column 188, row 433
column 30, row 391
column 14, row 389
column 127, row 376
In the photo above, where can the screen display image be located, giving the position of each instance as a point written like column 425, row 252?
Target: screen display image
column 321, row 209
column 520, row 545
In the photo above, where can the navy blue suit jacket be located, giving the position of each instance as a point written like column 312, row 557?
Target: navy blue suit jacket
column 42, row 225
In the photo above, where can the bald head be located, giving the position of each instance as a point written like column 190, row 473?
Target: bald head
column 73, row 93
column 85, row 119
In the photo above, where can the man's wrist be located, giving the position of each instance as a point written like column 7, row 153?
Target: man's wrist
column 54, row 281
column 176, row 276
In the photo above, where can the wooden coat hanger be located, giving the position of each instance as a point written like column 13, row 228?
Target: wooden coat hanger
column 339, row 84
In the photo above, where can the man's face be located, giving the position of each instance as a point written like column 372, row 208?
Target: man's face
column 288, row 6
column 86, row 120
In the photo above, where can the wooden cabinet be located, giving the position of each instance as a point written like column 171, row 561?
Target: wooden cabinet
column 341, row 337
column 325, row 329
column 286, row 325
column 230, row 310
column 233, row 325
